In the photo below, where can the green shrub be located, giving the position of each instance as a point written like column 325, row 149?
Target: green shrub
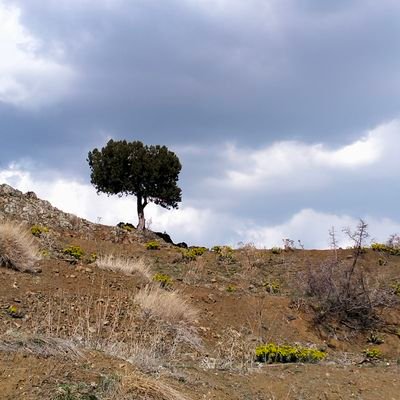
column 226, row 254
column 231, row 288
column 385, row 248
column 396, row 288
column 189, row 255
column 276, row 250
column 216, row 249
column 163, row 279
column 38, row 230
column 373, row 353
column 74, row 251
column 272, row 287
column 14, row 312
column 272, row 353
column 198, row 251
column 153, row 245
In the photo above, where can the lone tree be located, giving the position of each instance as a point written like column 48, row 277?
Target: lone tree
column 132, row 168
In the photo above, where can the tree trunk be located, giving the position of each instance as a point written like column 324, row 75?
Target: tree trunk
column 141, row 204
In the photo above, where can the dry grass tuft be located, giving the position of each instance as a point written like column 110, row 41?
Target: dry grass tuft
column 39, row 345
column 140, row 387
column 170, row 307
column 124, row 265
column 17, row 248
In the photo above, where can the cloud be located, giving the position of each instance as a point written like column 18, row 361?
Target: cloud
column 194, row 225
column 311, row 227
column 27, row 79
column 187, row 224
column 294, row 166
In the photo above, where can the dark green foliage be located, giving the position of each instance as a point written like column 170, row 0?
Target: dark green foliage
column 132, row 168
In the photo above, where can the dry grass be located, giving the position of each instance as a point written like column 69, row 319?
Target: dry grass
column 114, row 325
column 124, row 265
column 140, row 387
column 170, row 307
column 39, row 345
column 17, row 248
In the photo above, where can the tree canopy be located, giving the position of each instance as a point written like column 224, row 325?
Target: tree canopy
column 131, row 168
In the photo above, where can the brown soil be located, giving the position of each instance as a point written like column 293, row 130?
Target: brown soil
column 229, row 295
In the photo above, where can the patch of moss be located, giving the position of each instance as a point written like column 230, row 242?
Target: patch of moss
column 153, row 245
column 38, row 230
column 273, row 353
column 74, row 251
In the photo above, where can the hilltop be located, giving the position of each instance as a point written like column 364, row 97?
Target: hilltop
column 109, row 312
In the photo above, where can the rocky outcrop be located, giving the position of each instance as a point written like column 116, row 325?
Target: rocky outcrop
column 27, row 207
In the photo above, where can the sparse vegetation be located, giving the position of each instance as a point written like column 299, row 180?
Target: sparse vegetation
column 164, row 280
column 170, row 307
column 38, row 230
column 75, row 252
column 17, row 248
column 273, row 353
column 153, row 245
column 125, row 265
column 372, row 354
column 272, row 287
column 340, row 291
column 276, row 250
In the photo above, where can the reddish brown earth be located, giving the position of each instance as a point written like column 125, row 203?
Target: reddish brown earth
column 248, row 308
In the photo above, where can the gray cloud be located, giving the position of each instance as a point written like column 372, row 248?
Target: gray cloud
column 195, row 77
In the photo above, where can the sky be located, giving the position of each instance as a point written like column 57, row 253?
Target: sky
column 285, row 114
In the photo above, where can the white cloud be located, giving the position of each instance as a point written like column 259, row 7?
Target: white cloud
column 185, row 224
column 290, row 166
column 311, row 228
column 27, row 78
column 202, row 226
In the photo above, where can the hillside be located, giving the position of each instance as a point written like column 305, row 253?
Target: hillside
column 112, row 313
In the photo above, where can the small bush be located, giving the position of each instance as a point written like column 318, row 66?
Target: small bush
column 396, row 288
column 192, row 253
column 272, row 353
column 163, row 279
column 231, row 288
column 374, row 338
column 153, row 245
column 198, row 251
column 272, row 287
column 276, row 250
column 74, row 251
column 386, row 248
column 17, row 248
column 372, row 354
column 126, row 226
column 38, row 230
column 225, row 253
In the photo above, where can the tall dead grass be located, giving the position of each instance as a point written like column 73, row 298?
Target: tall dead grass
column 171, row 307
column 17, row 248
column 114, row 324
column 125, row 265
